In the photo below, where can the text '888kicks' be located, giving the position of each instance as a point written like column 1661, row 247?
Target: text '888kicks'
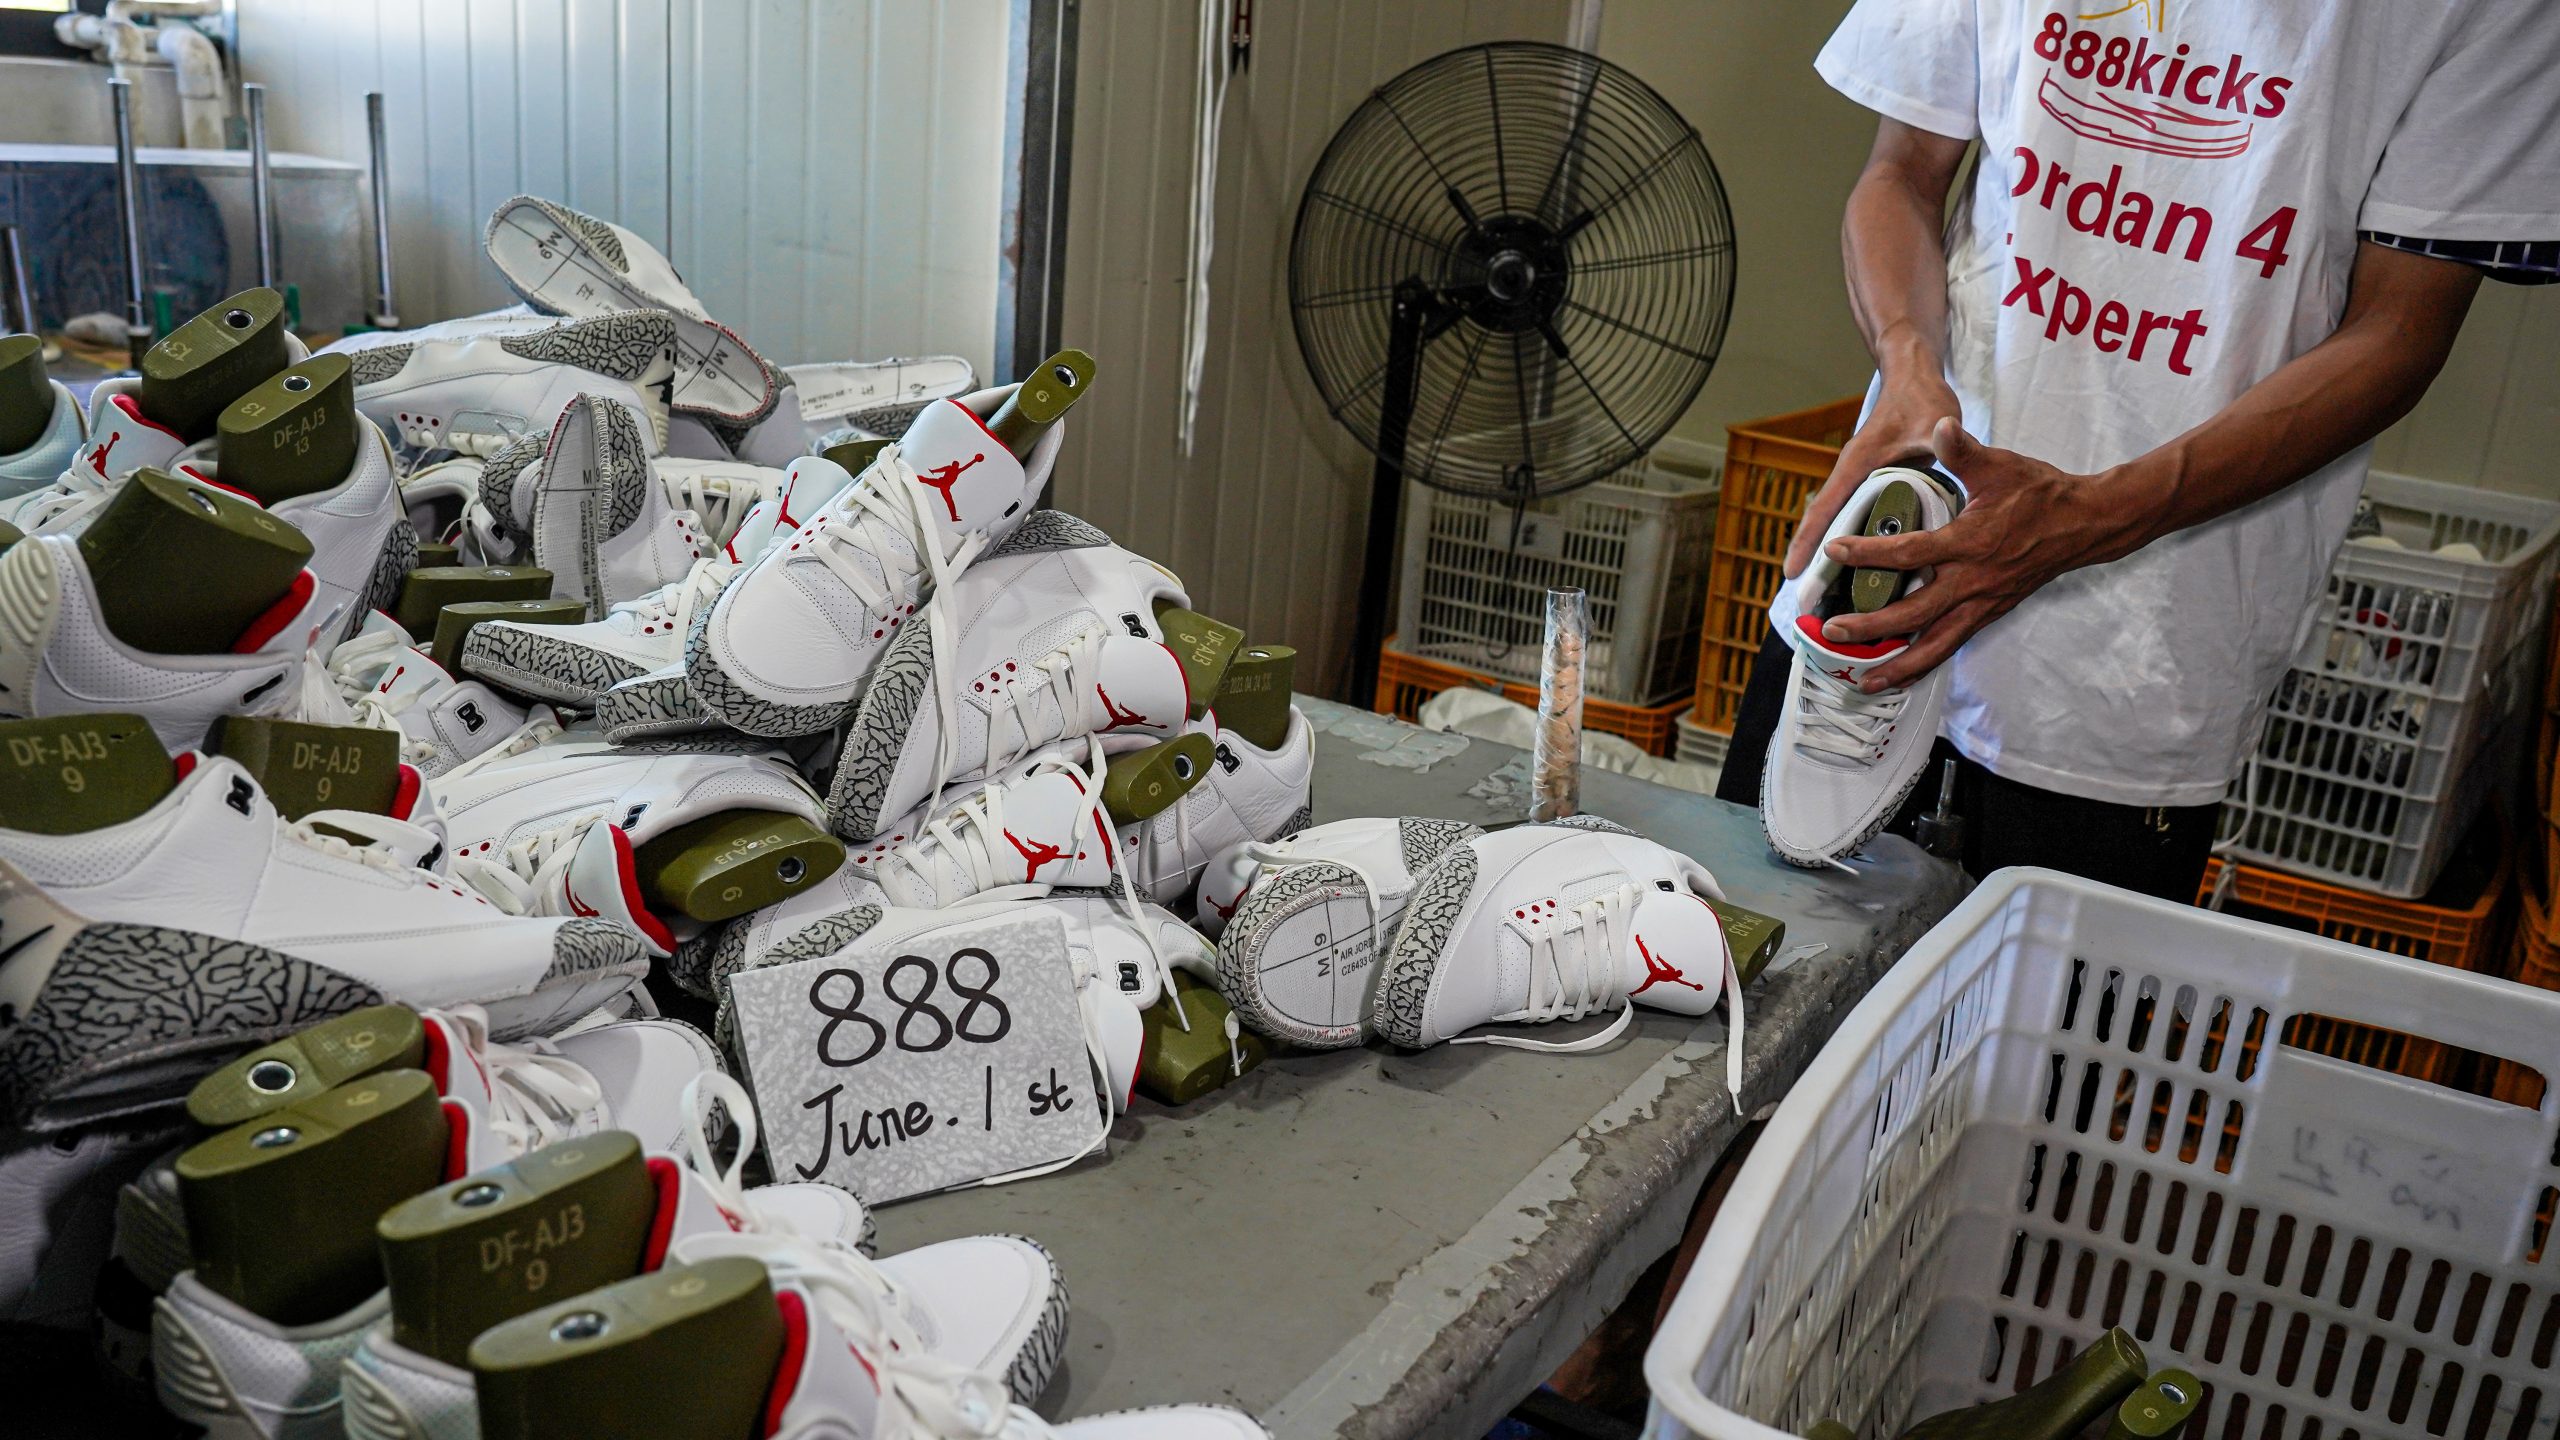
column 1842, row 760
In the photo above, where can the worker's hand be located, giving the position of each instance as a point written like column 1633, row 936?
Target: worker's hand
column 1897, row 430
column 2024, row 522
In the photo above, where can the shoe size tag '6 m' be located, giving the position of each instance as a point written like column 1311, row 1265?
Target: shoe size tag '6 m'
column 903, row 1068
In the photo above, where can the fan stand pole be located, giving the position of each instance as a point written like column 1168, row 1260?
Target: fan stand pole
column 1412, row 309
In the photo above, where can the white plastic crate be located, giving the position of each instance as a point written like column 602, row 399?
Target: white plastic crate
column 2370, row 766
column 1637, row 543
column 1699, row 745
column 2028, row 1133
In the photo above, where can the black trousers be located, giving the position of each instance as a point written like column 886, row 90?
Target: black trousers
column 2157, row 850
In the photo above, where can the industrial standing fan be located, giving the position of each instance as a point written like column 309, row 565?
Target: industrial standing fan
column 1510, row 275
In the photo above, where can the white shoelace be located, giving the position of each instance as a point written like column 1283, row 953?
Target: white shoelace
column 541, row 725
column 536, row 1094
column 720, row 502
column 674, row 603
column 1843, row 721
column 339, row 848
column 517, row 877
column 1061, row 677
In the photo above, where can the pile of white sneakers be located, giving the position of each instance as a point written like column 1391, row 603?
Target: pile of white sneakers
column 912, row 658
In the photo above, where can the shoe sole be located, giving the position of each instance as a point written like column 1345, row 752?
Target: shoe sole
column 1295, row 919
column 1045, row 1348
column 591, row 492
column 881, row 726
column 390, row 573
column 1431, row 912
column 523, row 659
column 592, row 961
column 1874, row 828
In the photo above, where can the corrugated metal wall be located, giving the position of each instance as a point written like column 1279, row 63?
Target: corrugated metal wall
column 2493, row 416
column 1264, row 521
column 826, row 173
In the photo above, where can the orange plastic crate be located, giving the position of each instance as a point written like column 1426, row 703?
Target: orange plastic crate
column 1770, row 468
column 2463, row 931
column 2536, row 962
column 1406, row 681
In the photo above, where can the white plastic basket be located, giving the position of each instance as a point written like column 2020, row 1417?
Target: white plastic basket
column 1699, row 745
column 2026, row 1133
column 2369, row 770
column 1637, row 544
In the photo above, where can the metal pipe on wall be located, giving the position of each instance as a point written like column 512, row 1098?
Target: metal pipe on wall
column 137, row 313
column 384, row 317
column 22, row 304
column 261, row 182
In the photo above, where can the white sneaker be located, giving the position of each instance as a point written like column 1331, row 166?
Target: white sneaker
column 1842, row 761
column 214, row 856
column 115, row 1020
column 1554, row 922
column 626, row 1075
column 878, row 397
column 1051, row 636
column 381, row 680
column 564, row 263
column 1040, row 822
column 57, row 656
column 1303, row 922
column 476, row 393
column 787, row 648
column 241, row 1374
column 362, row 544
column 834, row 1353
column 600, row 522
column 120, row 439
column 578, row 664
column 1249, row 794
column 508, row 802
column 49, row 454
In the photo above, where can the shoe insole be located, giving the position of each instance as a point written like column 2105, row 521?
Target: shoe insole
column 280, row 1210
column 722, row 866
column 481, row 1250
column 687, row 1350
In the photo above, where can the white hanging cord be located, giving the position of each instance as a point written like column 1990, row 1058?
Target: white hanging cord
column 1204, row 211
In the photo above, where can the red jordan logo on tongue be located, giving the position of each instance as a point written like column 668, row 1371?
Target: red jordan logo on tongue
column 1656, row 971
column 943, row 477
column 1034, row 855
column 1118, row 716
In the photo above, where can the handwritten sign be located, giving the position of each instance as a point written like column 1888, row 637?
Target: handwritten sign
column 912, row 1066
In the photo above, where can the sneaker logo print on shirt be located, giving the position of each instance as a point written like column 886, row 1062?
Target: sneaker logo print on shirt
column 1657, row 971
column 942, row 477
column 1034, row 855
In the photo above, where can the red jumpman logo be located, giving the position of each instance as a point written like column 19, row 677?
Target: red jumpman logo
column 1656, row 971
column 1228, row 910
column 1034, row 855
column 1118, row 716
column 98, row 457
column 943, row 477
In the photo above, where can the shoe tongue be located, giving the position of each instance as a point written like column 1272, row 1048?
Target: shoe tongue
column 971, row 482
column 1052, row 835
column 122, row 440
column 462, row 1077
column 1674, row 955
column 814, row 480
column 823, row 1380
column 1138, row 689
column 1841, row 659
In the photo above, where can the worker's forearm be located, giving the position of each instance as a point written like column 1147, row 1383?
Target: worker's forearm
column 1893, row 248
column 2325, row 402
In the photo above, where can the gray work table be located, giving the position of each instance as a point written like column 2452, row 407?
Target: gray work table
column 1373, row 1243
